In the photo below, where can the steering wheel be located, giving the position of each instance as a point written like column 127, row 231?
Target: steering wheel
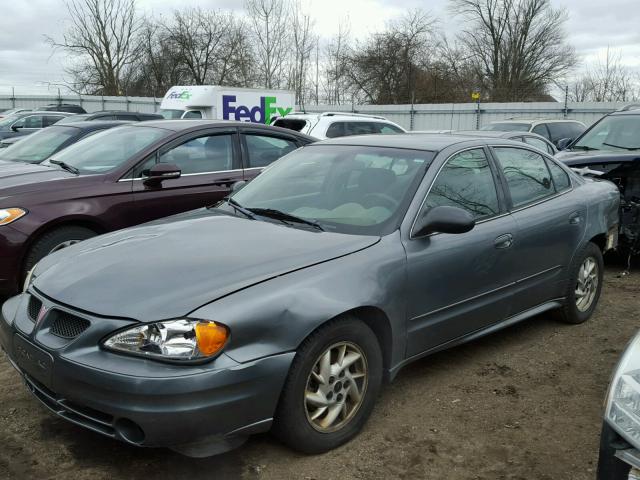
column 379, row 200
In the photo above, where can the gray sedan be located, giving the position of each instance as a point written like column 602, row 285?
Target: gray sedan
column 287, row 306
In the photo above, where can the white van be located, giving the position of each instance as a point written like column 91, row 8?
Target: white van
column 226, row 103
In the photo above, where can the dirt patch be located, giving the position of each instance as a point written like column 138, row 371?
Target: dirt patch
column 525, row 403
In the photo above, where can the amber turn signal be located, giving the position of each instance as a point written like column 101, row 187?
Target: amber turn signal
column 8, row 215
column 211, row 337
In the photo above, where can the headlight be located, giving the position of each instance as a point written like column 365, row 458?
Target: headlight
column 623, row 400
column 8, row 215
column 176, row 340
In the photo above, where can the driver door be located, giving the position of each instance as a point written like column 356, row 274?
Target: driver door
column 209, row 164
column 459, row 284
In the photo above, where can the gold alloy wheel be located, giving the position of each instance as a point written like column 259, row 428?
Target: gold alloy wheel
column 336, row 387
column 587, row 284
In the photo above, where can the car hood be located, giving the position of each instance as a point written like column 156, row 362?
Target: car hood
column 578, row 158
column 168, row 269
column 19, row 174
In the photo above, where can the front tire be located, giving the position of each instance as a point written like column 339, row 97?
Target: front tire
column 332, row 387
column 53, row 241
column 584, row 286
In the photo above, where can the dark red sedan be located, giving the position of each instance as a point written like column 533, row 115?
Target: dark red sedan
column 125, row 176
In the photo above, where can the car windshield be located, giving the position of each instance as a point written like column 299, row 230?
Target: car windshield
column 107, row 150
column 39, row 145
column 8, row 121
column 346, row 189
column 614, row 133
column 507, row 127
column 171, row 114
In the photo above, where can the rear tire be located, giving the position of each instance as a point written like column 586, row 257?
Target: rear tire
column 52, row 241
column 316, row 414
column 584, row 286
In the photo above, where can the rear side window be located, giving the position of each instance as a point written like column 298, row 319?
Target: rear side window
column 538, row 143
column 49, row 120
column 335, row 130
column 526, row 173
column 124, row 116
column 387, row 129
column 541, row 130
column 560, row 177
column 264, row 150
column 466, row 181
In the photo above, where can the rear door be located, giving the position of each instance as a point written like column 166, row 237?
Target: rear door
column 210, row 164
column 550, row 221
column 260, row 148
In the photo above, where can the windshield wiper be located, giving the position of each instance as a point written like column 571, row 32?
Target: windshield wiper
column 620, row 146
column 65, row 166
column 582, row 147
column 280, row 215
column 237, row 207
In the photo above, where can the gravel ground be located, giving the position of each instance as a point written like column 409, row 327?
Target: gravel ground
column 525, row 403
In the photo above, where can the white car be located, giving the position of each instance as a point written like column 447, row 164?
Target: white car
column 337, row 124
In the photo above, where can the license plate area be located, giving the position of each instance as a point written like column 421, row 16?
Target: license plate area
column 32, row 360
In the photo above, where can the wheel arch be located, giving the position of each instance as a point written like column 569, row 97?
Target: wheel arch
column 75, row 221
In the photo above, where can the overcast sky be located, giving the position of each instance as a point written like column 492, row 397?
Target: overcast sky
column 27, row 62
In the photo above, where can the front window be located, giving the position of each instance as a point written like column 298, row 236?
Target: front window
column 346, row 189
column 466, row 182
column 507, row 127
column 107, row 150
column 39, row 145
column 613, row 133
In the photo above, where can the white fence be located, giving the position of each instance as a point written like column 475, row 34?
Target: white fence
column 469, row 116
column 442, row 116
column 91, row 103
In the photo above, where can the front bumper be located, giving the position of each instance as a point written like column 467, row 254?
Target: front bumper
column 139, row 401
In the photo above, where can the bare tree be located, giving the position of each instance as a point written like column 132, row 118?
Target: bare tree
column 103, row 39
column 336, row 83
column 160, row 65
column 269, row 20
column 606, row 80
column 387, row 65
column 304, row 42
column 518, row 46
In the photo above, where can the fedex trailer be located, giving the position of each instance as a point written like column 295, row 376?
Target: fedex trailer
column 226, row 103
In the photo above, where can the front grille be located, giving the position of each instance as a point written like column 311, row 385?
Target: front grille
column 68, row 326
column 34, row 308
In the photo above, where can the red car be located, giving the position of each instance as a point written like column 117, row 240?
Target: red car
column 125, row 176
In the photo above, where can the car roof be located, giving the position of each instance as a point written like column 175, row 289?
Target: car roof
column 536, row 120
column 417, row 141
column 185, row 125
column 93, row 124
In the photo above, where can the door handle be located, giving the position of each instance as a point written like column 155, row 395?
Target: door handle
column 503, row 241
column 575, row 218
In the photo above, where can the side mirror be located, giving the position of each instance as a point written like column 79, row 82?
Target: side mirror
column 563, row 143
column 160, row 172
column 444, row 219
column 16, row 128
column 239, row 185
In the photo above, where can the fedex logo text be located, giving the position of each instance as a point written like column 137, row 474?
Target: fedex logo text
column 258, row 114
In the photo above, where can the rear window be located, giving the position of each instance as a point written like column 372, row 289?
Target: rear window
column 507, row 127
column 291, row 123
